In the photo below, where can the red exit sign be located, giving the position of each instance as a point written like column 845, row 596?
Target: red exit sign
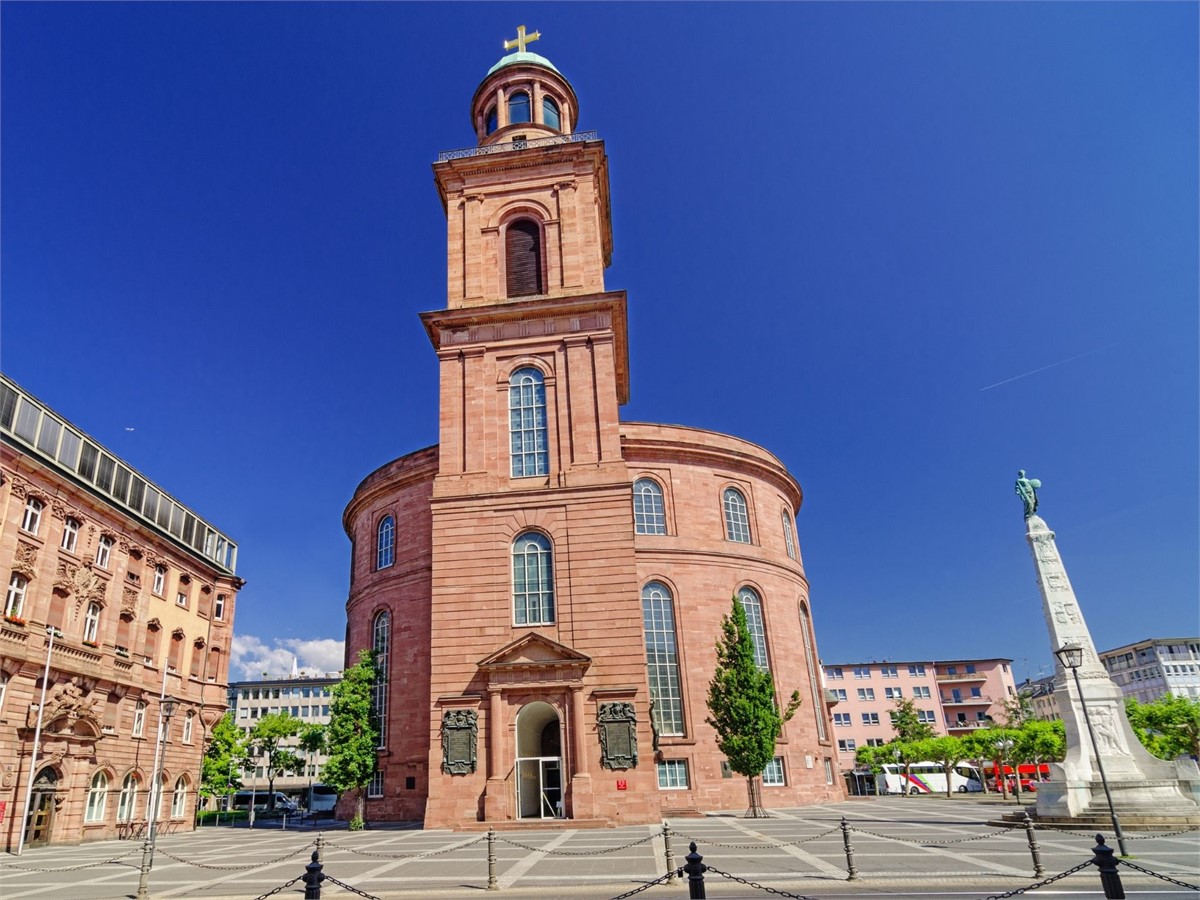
column 622, row 784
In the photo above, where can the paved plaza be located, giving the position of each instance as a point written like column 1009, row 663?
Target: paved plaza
column 902, row 846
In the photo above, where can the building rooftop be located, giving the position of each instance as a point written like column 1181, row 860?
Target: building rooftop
column 526, row 58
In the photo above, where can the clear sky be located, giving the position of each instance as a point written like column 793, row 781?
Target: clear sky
column 909, row 248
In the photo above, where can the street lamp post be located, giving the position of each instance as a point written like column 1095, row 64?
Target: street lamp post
column 37, row 737
column 1071, row 656
column 166, row 709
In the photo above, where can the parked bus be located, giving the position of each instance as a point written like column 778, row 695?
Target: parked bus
column 927, row 778
column 1030, row 775
column 324, row 798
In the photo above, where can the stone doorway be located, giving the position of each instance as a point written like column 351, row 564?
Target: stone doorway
column 539, row 762
column 41, row 808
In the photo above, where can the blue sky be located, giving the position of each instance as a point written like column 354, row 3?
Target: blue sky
column 909, row 248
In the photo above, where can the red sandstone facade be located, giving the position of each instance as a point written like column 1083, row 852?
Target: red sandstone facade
column 534, row 482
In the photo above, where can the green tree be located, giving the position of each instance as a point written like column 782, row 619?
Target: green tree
column 908, row 724
column 352, row 735
column 223, row 754
column 1168, row 727
column 742, row 708
column 312, row 742
column 1039, row 742
column 947, row 752
column 267, row 743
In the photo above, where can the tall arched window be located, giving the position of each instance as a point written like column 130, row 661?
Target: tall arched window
column 809, row 661
column 490, row 121
column 649, row 516
column 14, row 603
column 189, row 722
column 523, row 258
column 518, row 108
column 527, row 423
column 662, row 658
column 550, row 116
column 754, row 621
column 179, row 797
column 737, row 517
column 533, row 580
column 70, row 537
column 789, row 539
column 381, row 638
column 385, row 543
column 91, row 623
column 128, row 798
column 97, row 798
column 156, row 798
column 32, row 518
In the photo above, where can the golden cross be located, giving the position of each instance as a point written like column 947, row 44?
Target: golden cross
column 522, row 39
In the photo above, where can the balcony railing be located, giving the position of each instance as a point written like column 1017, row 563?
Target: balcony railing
column 961, row 676
column 967, row 726
column 577, row 137
column 966, row 701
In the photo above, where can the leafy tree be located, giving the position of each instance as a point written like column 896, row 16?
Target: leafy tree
column 1038, row 742
column 351, row 734
column 312, row 742
column 267, row 742
column 1017, row 710
column 742, row 708
column 223, row 754
column 947, row 752
column 1168, row 727
column 908, row 724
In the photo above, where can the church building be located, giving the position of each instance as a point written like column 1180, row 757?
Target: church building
column 543, row 588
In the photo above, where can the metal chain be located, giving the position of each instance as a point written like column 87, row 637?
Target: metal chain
column 678, row 873
column 759, row 887
column 423, row 855
column 1009, row 829
column 91, row 865
column 647, row 838
column 770, row 842
column 1039, row 884
column 1184, row 884
column 256, row 865
column 891, row 837
column 350, row 888
column 282, row 887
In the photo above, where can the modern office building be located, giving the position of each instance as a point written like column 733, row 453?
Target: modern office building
column 952, row 696
column 544, row 587
column 1147, row 670
column 142, row 592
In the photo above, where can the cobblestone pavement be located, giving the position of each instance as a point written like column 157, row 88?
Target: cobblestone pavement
column 902, row 846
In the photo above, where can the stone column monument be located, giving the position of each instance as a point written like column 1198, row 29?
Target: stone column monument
column 1141, row 785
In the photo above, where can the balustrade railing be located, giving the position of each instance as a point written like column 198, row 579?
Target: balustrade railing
column 577, row 137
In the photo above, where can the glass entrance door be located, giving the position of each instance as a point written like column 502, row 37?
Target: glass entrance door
column 539, row 787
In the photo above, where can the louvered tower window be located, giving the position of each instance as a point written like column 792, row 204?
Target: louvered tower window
column 523, row 258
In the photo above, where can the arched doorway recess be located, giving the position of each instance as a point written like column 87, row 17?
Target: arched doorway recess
column 539, row 762
column 41, row 808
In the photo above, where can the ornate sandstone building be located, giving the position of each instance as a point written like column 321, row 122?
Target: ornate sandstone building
column 141, row 592
column 544, row 587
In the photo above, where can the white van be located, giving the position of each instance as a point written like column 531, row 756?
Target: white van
column 283, row 803
column 324, row 798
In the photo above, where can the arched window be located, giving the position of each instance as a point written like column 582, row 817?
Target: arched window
column 550, row 116
column 385, row 543
column 179, row 797
column 14, row 603
column 97, row 798
column 155, row 801
column 533, row 580
column 523, row 258
column 381, row 638
column 139, row 718
column 70, row 538
column 789, row 539
column 518, row 108
column 490, row 120
column 809, row 661
column 648, row 514
column 737, row 517
column 527, row 422
column 188, row 723
column 32, row 519
column 128, row 798
column 91, row 623
column 175, row 651
column 754, row 621
column 104, row 551
column 662, row 659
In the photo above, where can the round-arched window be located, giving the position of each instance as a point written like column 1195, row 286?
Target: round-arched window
column 491, row 121
column 550, row 115
column 518, row 108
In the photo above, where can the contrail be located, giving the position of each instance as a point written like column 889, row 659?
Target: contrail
column 1061, row 362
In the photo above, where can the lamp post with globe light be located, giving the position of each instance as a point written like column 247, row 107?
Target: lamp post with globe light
column 1004, row 748
column 166, row 709
column 1070, row 655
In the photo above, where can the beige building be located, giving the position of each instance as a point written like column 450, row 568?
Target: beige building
column 142, row 593
column 1150, row 669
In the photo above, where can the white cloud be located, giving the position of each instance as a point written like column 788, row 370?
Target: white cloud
column 252, row 657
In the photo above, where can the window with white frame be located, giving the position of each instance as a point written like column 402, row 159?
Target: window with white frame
column 870, row 718
column 828, row 764
column 866, row 693
column 672, row 774
column 841, row 719
column 128, row 798
column 70, row 537
column 533, row 580
column 754, row 622
column 139, row 718
column 179, row 798
column 527, row 423
column 772, row 775
column 840, row 693
column 104, row 551
column 789, row 540
column 737, row 516
column 862, row 671
column 14, row 602
column 893, row 693
column 219, row 607
column 847, row 745
column 385, row 543
column 91, row 623
column 188, row 722
column 381, row 639
column 916, row 670
column 97, row 798
column 926, row 715
column 375, row 788
column 888, row 672
column 921, row 691
column 3, row 689
column 157, row 799
column 662, row 659
column 160, row 581
column 649, row 513
column 31, row 521
column 834, row 673
column 181, row 599
column 876, row 742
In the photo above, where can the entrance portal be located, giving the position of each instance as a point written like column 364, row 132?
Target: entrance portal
column 539, row 762
column 41, row 808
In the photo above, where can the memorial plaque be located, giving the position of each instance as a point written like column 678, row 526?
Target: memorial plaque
column 617, row 724
column 460, row 728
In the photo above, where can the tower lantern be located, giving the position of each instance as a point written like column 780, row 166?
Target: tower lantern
column 523, row 97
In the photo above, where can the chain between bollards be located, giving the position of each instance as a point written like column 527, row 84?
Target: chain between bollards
column 1034, row 851
column 851, row 871
column 492, row 885
column 668, row 853
column 695, row 872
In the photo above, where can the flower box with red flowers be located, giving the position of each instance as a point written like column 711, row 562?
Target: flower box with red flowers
column 14, row 620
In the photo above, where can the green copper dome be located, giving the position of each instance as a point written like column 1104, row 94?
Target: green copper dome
column 515, row 59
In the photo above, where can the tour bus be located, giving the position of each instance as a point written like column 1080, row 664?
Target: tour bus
column 324, row 798
column 927, row 778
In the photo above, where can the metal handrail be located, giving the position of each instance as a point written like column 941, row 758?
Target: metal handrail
column 509, row 146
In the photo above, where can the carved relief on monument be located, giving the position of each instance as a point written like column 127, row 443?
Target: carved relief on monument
column 1044, row 549
column 460, row 729
column 617, row 723
column 1066, row 613
column 1056, row 581
column 1109, row 740
column 25, row 560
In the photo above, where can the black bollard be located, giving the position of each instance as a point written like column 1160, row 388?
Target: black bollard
column 851, row 872
column 1110, row 879
column 313, row 878
column 1034, row 851
column 695, row 872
